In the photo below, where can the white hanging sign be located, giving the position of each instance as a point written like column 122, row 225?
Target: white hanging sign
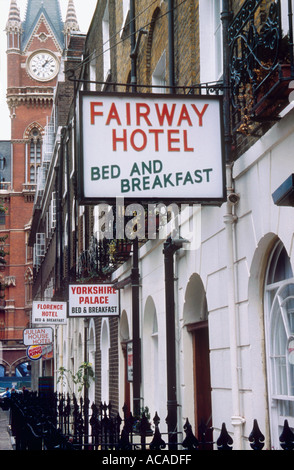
column 150, row 147
column 92, row 300
column 37, row 336
column 49, row 313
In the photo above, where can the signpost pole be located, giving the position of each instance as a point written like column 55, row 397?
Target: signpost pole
column 86, row 394
column 169, row 250
column 135, row 269
column 136, row 331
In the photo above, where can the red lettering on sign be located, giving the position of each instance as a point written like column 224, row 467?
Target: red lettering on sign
column 142, row 111
column 144, row 140
column 116, row 139
column 165, row 114
column 156, row 133
column 200, row 114
column 113, row 114
column 184, row 116
column 171, row 141
column 94, row 113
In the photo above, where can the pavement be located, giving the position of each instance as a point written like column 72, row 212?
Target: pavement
column 6, row 440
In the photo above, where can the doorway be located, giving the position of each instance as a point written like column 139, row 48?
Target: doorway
column 201, row 376
column 197, row 358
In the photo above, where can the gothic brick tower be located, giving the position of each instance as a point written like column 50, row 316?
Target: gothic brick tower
column 34, row 54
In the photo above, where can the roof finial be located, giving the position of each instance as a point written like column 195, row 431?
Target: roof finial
column 13, row 22
column 71, row 22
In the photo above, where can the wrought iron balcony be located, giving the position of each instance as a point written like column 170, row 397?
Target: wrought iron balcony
column 103, row 257
column 261, row 62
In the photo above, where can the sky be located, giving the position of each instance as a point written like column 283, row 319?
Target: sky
column 84, row 10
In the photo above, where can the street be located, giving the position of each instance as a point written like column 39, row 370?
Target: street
column 5, row 437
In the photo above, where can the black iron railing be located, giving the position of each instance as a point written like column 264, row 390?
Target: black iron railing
column 59, row 422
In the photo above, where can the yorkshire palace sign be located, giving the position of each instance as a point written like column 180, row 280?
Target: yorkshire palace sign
column 93, row 300
column 150, row 147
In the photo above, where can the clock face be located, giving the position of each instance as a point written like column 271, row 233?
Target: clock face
column 43, row 66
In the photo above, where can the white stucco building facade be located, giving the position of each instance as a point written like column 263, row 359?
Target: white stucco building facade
column 250, row 373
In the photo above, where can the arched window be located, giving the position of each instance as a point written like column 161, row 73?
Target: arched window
column 279, row 323
column 92, row 351
column 28, row 282
column 151, row 379
column 34, row 154
column 23, row 370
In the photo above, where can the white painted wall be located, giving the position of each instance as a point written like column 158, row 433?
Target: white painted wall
column 256, row 174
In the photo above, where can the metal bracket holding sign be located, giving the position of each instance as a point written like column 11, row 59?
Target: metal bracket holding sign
column 165, row 148
column 93, row 300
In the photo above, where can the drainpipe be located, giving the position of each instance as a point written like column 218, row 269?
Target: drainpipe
column 135, row 270
column 171, row 245
column 86, row 394
column 291, row 45
column 60, row 225
column 133, row 46
column 56, row 168
column 230, row 219
column 169, row 251
column 171, row 54
column 68, row 213
column 136, row 331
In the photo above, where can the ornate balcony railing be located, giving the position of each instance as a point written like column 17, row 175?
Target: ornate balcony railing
column 5, row 186
column 261, row 62
column 102, row 257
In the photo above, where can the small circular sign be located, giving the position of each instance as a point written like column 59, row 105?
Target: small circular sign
column 34, row 353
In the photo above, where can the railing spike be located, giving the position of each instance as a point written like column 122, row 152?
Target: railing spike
column 224, row 442
column 157, row 442
column 287, row 437
column 256, row 438
column 190, row 442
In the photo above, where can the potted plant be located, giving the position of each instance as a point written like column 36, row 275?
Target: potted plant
column 82, row 377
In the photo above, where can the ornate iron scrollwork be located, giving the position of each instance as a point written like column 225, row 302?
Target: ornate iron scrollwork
column 102, row 257
column 258, row 56
column 251, row 49
column 94, row 262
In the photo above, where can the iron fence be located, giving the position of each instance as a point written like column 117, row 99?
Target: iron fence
column 63, row 422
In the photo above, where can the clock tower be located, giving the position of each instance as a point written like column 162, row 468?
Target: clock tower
column 34, row 56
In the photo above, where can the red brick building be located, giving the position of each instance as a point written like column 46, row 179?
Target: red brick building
column 34, row 51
